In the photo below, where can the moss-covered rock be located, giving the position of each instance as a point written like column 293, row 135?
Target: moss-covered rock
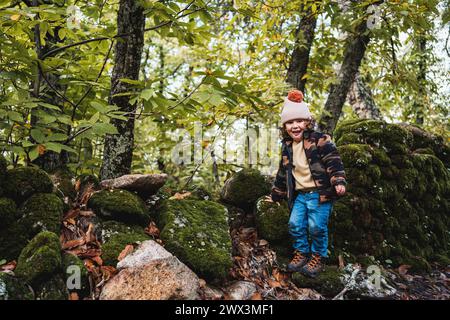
column 3, row 170
column 272, row 221
column 54, row 288
column 72, row 267
column 244, row 188
column 109, row 228
column 12, row 240
column 41, row 212
column 197, row 233
column 398, row 194
column 119, row 205
column 12, row 288
column 117, row 242
column 40, row 259
column 23, row 182
column 328, row 283
column 8, row 213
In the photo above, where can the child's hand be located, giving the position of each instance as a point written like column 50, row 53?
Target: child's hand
column 340, row 189
column 269, row 199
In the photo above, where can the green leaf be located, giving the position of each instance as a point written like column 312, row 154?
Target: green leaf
column 27, row 144
column 94, row 118
column 15, row 116
column 53, row 146
column 57, row 137
column 38, row 135
column 104, row 128
column 146, row 94
column 34, row 153
column 49, row 106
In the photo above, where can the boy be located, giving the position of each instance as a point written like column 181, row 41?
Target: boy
column 310, row 176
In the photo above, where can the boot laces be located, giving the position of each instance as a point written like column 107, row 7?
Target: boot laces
column 298, row 257
column 315, row 260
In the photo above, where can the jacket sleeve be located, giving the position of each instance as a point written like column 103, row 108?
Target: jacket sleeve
column 279, row 191
column 332, row 160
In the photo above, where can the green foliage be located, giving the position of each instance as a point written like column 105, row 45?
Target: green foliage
column 23, row 182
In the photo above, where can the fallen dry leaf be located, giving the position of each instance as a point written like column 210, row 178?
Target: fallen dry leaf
column 273, row 283
column 126, row 251
column 256, row 296
column 74, row 296
column 98, row 260
column 180, row 196
column 71, row 214
column 73, row 243
column 152, row 230
column 77, row 185
column 403, row 269
column 90, row 236
column 263, row 242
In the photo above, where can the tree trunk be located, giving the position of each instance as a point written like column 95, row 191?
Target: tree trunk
column 304, row 37
column 353, row 54
column 361, row 100
column 419, row 103
column 49, row 160
column 118, row 149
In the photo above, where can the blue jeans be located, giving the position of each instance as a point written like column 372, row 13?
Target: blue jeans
column 308, row 215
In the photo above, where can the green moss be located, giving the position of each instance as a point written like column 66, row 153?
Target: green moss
column 328, row 283
column 272, row 221
column 54, row 288
column 119, row 205
column 72, row 265
column 21, row 183
column 197, row 233
column 244, row 188
column 111, row 228
column 3, row 171
column 40, row 259
column 116, row 243
column 41, row 212
column 12, row 288
column 12, row 240
column 8, row 213
column 356, row 155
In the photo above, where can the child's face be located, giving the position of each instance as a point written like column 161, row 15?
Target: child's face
column 295, row 128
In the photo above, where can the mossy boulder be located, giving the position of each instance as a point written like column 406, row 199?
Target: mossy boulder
column 41, row 212
column 72, row 267
column 3, row 171
column 116, row 242
column 12, row 240
column 244, row 188
column 328, row 283
column 197, row 233
column 12, row 288
column 109, row 228
column 119, row 205
column 397, row 202
column 272, row 221
column 40, row 259
column 8, row 213
column 54, row 288
column 21, row 183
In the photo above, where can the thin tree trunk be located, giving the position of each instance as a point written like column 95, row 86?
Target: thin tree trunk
column 361, row 100
column 49, row 160
column 304, row 37
column 353, row 55
column 118, row 149
column 419, row 103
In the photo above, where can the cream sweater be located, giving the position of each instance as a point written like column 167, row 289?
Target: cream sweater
column 301, row 172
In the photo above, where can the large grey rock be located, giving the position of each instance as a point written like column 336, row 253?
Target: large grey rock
column 151, row 273
column 144, row 184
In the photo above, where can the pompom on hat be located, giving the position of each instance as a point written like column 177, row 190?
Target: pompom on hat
column 294, row 107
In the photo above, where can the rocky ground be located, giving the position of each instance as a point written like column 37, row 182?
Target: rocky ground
column 139, row 237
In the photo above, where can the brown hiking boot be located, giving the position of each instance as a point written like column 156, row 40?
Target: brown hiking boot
column 313, row 267
column 297, row 262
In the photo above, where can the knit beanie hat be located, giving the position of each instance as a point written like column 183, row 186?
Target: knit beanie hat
column 294, row 107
